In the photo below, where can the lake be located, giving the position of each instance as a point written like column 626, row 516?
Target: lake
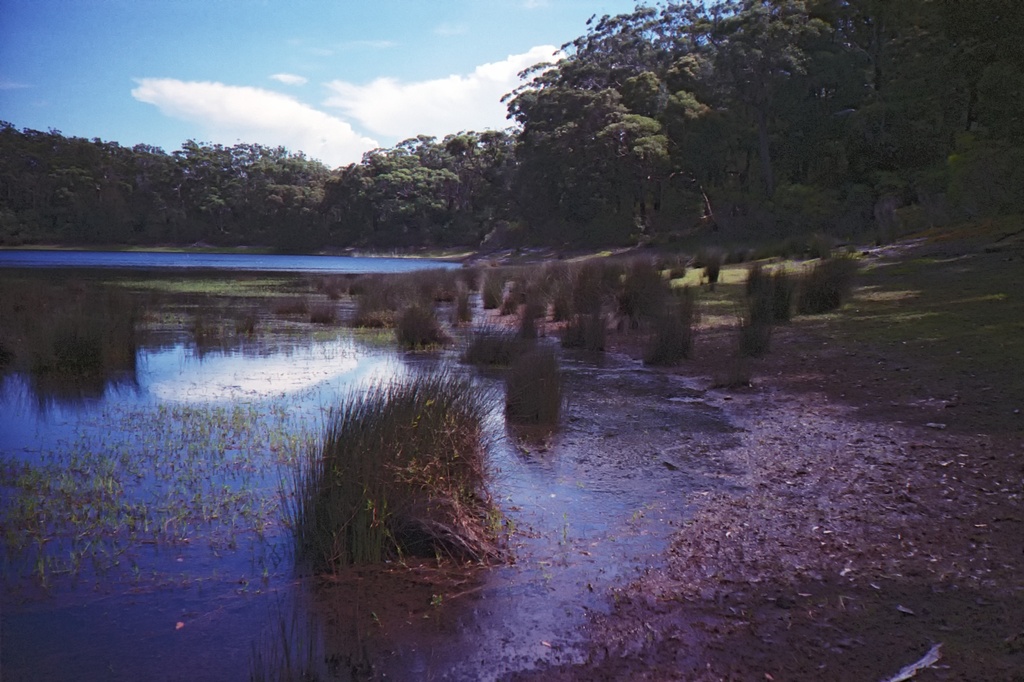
column 148, row 260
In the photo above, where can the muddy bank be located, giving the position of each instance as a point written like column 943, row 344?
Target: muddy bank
column 867, row 521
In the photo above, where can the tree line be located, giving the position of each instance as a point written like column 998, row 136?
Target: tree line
column 753, row 117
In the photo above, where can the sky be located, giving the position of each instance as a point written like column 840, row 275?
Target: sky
column 330, row 78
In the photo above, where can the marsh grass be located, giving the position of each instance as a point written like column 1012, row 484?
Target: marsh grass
column 588, row 332
column 146, row 477
column 493, row 292
column 463, row 312
column 71, row 340
column 644, row 292
column 711, row 261
column 291, row 306
column 418, row 327
column 826, row 286
column 496, row 347
column 533, row 389
column 672, row 332
column 323, row 313
column 246, row 324
column 400, row 471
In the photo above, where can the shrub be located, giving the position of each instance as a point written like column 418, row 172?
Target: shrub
column 585, row 331
column 820, row 246
column 417, row 327
column 672, row 333
column 400, row 471
column 533, row 389
column 493, row 347
column 826, row 286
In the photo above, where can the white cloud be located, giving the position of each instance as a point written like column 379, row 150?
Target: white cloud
column 398, row 110
column 12, row 85
column 289, row 79
column 229, row 114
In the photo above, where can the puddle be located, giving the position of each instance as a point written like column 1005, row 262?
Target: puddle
column 147, row 591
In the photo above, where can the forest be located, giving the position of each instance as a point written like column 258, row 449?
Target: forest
column 755, row 119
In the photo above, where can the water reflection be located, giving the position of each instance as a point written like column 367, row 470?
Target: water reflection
column 70, row 341
column 174, row 375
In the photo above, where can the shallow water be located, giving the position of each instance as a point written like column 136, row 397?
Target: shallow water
column 186, row 573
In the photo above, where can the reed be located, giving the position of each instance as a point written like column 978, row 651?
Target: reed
column 400, row 471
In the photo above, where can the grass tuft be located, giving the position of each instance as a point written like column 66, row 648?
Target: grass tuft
column 673, row 331
column 533, row 389
column 826, row 286
column 417, row 327
column 494, row 347
column 400, row 472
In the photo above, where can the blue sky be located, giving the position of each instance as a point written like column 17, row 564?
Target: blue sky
column 330, row 78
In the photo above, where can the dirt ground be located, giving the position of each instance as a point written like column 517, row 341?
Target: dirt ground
column 879, row 514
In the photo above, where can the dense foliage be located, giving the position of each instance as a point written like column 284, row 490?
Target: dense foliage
column 747, row 116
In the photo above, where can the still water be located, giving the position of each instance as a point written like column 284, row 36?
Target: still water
column 143, row 516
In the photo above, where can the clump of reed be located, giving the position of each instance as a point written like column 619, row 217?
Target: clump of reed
column 400, row 471
column 493, row 291
column 378, row 300
column 291, row 306
column 533, row 389
column 245, row 325
column 534, row 308
column 71, row 340
column 672, row 330
column 711, row 260
column 592, row 281
column 643, row 293
column 755, row 327
column 323, row 314
column 492, row 346
column 826, row 285
column 588, row 331
column 417, row 327
column 463, row 312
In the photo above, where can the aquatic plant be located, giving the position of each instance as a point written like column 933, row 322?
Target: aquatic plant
column 533, row 388
column 826, row 285
column 291, row 306
column 493, row 291
column 672, row 331
column 463, row 312
column 585, row 331
column 492, row 346
column 323, row 314
column 400, row 471
column 417, row 327
column 643, row 293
